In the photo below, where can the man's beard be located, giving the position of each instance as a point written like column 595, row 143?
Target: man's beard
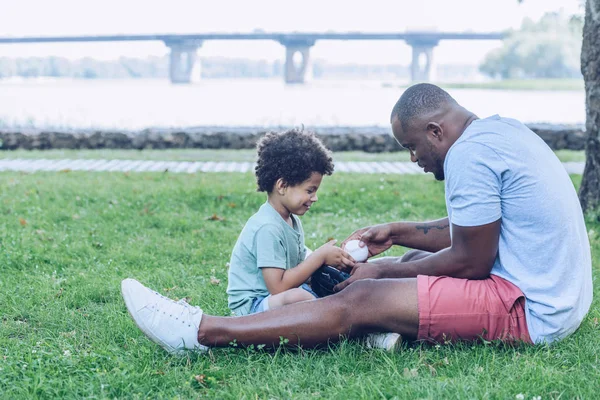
column 438, row 165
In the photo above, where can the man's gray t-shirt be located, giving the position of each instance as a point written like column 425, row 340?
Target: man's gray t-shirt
column 500, row 169
column 266, row 241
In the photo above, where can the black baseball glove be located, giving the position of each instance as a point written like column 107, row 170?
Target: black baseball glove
column 325, row 278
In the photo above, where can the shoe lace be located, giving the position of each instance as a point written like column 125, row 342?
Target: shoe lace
column 191, row 310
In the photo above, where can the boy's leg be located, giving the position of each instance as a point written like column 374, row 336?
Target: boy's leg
column 385, row 305
column 290, row 296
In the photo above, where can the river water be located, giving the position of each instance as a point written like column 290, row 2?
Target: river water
column 138, row 104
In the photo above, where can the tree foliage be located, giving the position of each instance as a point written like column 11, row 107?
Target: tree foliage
column 549, row 48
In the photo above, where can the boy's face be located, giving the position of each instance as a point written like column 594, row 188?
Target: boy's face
column 298, row 199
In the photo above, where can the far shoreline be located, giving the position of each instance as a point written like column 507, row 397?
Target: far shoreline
column 569, row 85
column 534, row 84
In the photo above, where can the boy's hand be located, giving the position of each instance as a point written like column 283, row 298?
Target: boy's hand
column 335, row 256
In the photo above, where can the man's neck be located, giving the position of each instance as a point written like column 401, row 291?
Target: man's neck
column 470, row 118
column 462, row 118
column 458, row 121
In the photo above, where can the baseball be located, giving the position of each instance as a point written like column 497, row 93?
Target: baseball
column 360, row 254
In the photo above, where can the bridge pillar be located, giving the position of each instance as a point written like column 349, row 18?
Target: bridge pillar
column 422, row 67
column 184, row 64
column 298, row 68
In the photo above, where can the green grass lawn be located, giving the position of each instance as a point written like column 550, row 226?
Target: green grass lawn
column 68, row 239
column 217, row 155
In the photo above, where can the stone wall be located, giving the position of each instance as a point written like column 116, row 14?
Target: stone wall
column 369, row 139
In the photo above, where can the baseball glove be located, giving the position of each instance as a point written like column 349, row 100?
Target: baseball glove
column 325, row 278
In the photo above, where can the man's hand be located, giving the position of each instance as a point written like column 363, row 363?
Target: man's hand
column 377, row 238
column 360, row 271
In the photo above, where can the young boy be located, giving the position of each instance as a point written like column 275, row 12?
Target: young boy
column 269, row 265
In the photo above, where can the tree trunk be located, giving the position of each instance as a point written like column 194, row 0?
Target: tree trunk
column 589, row 193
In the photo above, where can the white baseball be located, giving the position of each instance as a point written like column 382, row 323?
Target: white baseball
column 360, row 254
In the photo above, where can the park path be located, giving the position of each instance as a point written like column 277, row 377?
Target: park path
column 190, row 167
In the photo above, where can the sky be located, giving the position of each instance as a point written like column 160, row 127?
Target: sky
column 88, row 17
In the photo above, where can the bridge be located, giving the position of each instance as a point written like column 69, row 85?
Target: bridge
column 184, row 47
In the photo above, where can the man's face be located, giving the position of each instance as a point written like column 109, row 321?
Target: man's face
column 423, row 144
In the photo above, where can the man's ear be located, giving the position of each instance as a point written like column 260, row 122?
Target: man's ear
column 281, row 186
column 435, row 129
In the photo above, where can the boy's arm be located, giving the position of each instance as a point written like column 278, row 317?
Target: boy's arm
column 279, row 280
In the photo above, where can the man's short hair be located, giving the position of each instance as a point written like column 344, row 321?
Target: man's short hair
column 419, row 100
column 292, row 156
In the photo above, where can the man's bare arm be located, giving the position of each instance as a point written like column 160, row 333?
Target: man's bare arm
column 470, row 256
column 431, row 236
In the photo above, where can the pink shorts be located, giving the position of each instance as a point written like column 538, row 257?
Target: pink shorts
column 464, row 309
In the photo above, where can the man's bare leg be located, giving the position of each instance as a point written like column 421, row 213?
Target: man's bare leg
column 386, row 305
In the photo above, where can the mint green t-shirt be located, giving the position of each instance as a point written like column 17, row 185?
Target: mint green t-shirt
column 266, row 241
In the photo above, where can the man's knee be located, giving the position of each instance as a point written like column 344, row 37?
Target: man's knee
column 351, row 303
column 382, row 305
column 360, row 304
column 358, row 292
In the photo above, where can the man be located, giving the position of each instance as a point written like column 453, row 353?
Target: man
column 511, row 262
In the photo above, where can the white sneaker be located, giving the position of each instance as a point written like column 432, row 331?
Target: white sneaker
column 172, row 325
column 387, row 341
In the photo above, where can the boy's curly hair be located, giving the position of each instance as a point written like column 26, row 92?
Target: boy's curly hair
column 293, row 156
